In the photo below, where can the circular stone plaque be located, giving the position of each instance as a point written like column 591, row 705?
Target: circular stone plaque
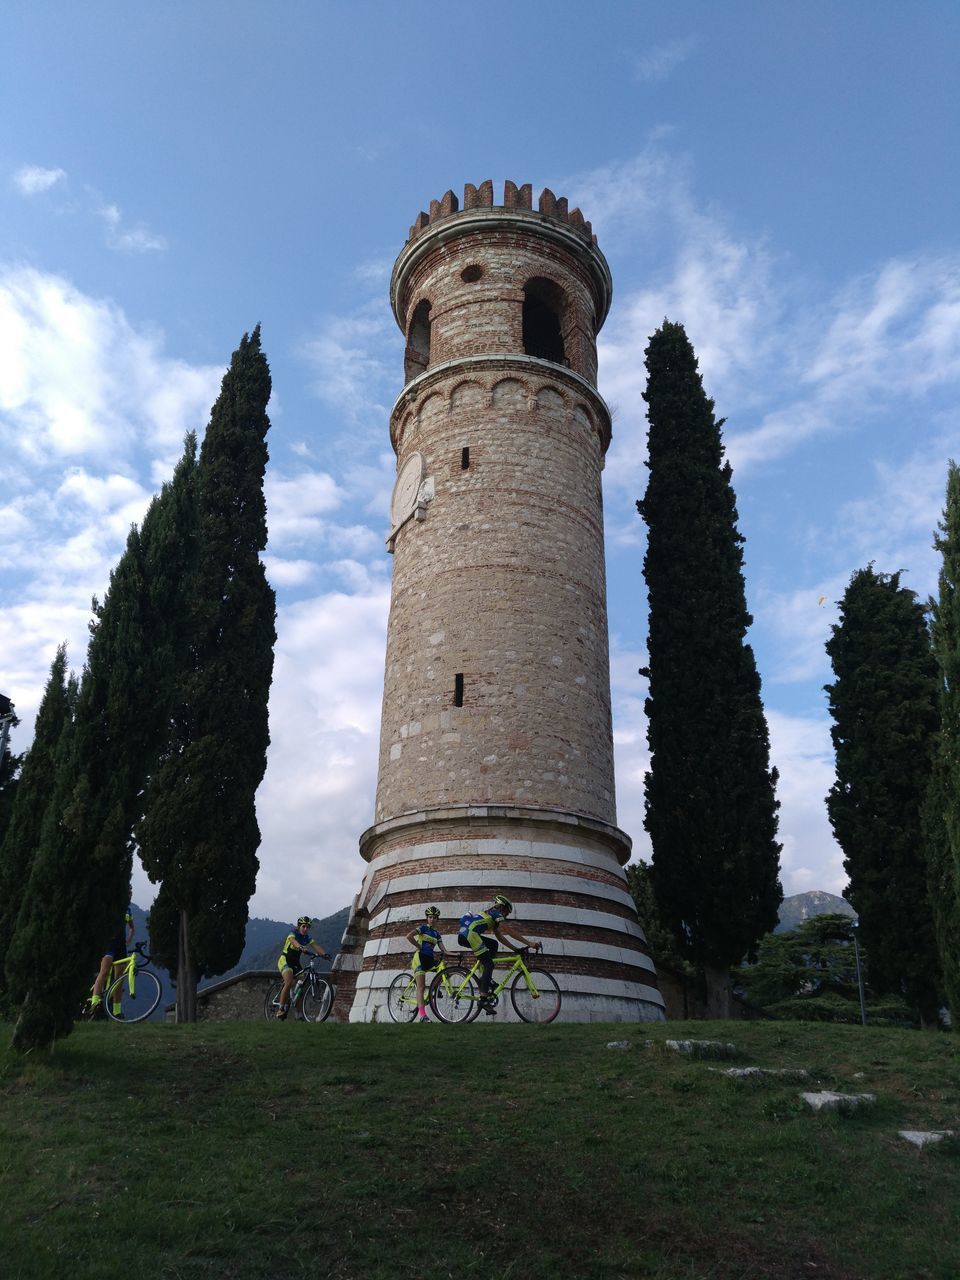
column 406, row 488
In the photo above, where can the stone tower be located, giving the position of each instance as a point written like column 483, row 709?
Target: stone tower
column 496, row 752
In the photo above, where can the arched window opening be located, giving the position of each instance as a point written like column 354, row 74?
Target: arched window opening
column 417, row 355
column 542, row 327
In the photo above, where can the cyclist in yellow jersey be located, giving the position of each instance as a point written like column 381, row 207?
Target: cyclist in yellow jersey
column 296, row 941
column 117, row 950
column 482, row 933
column 426, row 938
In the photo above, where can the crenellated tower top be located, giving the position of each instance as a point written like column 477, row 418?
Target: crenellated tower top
column 514, row 197
column 491, row 279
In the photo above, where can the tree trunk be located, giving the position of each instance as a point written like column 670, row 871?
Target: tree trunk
column 186, row 976
column 719, row 998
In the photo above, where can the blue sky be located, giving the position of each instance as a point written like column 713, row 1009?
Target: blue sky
column 780, row 178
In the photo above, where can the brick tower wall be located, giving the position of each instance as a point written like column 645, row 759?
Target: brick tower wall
column 496, row 756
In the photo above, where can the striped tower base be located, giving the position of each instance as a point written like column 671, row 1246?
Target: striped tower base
column 564, row 875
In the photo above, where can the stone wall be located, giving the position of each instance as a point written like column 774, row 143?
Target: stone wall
column 236, row 999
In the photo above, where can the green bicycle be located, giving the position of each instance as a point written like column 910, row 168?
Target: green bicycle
column 132, row 986
column 442, row 993
column 534, row 993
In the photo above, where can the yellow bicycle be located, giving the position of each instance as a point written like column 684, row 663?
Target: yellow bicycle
column 133, row 987
column 441, row 994
column 534, row 993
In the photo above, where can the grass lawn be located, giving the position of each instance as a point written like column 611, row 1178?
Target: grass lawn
column 381, row 1152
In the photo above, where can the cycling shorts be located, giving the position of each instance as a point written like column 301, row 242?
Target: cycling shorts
column 426, row 963
column 117, row 949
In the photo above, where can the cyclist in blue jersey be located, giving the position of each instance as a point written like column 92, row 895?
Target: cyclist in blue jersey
column 428, row 942
column 482, row 933
column 296, row 941
column 117, row 950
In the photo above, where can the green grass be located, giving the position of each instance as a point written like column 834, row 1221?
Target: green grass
column 380, row 1152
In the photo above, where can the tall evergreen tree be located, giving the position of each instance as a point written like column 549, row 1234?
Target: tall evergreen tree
column 199, row 834
column 884, row 703
column 10, row 766
column 22, row 836
column 942, row 811
column 80, row 875
column 710, row 792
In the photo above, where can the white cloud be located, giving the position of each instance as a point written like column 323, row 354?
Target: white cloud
column 799, row 626
column 137, row 239
column 356, row 361
column 797, row 364
column 297, row 505
column 85, row 400
column 318, row 793
column 78, row 381
column 289, row 573
column 801, row 749
column 657, row 63
column 31, row 179
column 374, row 271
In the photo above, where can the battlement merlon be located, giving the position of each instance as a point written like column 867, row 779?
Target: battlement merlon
column 446, row 221
column 514, row 197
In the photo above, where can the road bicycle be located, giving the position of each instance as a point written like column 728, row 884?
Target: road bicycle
column 534, row 993
column 442, row 993
column 132, row 987
column 311, row 996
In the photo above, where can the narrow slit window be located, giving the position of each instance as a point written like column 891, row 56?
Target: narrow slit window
column 465, row 458
column 458, row 689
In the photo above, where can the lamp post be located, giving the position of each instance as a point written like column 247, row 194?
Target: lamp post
column 854, row 927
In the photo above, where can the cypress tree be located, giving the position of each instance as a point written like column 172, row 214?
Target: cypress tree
column 80, row 876
column 942, row 810
column 884, row 703
column 10, row 766
column 710, row 792
column 22, row 836
column 199, row 835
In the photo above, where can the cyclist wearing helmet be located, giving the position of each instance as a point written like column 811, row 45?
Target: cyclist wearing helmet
column 427, row 940
column 297, row 940
column 482, row 933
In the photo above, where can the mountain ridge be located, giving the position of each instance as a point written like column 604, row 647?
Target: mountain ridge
column 799, row 907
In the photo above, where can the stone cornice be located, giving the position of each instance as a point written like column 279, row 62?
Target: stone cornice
column 616, row 840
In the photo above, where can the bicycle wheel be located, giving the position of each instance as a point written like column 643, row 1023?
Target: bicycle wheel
column 136, row 1007
column 456, row 999
column 402, row 998
column 542, row 1007
column 317, row 1000
column 271, row 1001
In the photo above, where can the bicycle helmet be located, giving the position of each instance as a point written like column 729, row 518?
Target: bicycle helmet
column 503, row 904
column 307, row 920
column 432, row 911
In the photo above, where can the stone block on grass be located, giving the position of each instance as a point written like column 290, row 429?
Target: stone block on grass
column 924, row 1138
column 826, row 1100
column 703, row 1048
